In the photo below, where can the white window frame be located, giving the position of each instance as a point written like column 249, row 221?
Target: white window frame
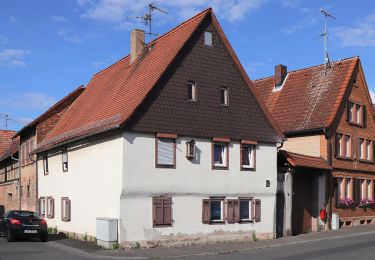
column 251, row 208
column 66, row 209
column 221, row 210
column 224, row 91
column 224, row 155
column 193, row 86
column 42, row 206
column 208, row 38
column 252, row 149
column 45, row 165
column 159, row 142
column 65, row 160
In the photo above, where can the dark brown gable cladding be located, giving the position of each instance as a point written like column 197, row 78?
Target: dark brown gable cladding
column 167, row 110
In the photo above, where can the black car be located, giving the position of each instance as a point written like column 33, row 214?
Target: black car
column 22, row 224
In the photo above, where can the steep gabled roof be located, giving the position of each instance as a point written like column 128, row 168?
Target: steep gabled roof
column 114, row 94
column 304, row 161
column 75, row 93
column 5, row 140
column 309, row 98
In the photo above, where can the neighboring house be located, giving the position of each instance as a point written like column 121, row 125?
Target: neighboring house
column 9, row 172
column 29, row 137
column 327, row 115
column 171, row 141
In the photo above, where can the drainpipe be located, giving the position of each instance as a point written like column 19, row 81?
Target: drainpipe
column 36, row 179
column 329, row 184
column 19, row 177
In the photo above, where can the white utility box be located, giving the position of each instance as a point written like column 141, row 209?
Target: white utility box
column 335, row 221
column 106, row 231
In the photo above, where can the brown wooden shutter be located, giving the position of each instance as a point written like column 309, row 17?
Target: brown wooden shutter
column 38, row 206
column 69, row 210
column 52, row 215
column 364, row 116
column 236, row 211
column 257, row 210
column 157, row 211
column 230, row 217
column 206, row 211
column 167, row 211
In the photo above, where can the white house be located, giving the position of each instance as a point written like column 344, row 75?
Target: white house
column 171, row 141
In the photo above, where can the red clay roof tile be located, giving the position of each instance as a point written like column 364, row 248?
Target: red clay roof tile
column 309, row 98
column 5, row 140
column 304, row 161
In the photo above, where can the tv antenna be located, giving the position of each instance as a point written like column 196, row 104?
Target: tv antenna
column 147, row 19
column 324, row 36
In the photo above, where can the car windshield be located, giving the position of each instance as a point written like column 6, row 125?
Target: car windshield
column 24, row 214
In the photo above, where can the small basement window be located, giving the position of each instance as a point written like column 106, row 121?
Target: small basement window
column 224, row 96
column 208, row 38
column 192, row 91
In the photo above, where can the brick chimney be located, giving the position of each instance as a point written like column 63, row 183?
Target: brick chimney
column 280, row 74
column 137, row 42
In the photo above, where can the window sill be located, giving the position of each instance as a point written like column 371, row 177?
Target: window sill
column 162, row 226
column 365, row 161
column 216, row 167
column 217, row 222
column 244, row 221
column 165, row 166
column 339, row 157
column 356, row 124
column 247, row 169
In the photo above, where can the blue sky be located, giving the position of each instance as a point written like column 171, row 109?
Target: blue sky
column 50, row 47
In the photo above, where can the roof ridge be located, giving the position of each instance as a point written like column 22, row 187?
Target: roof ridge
column 312, row 67
column 159, row 38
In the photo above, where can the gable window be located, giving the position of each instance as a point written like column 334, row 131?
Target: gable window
column 65, row 209
column 45, row 165
column 208, row 38
column 165, row 150
column 366, row 149
column 162, row 211
column 224, row 96
column 65, row 160
column 343, row 145
column 50, row 207
column 220, row 155
column 192, row 91
column 248, row 149
column 356, row 113
column 42, row 207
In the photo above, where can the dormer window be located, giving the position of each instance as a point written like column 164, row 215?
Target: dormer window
column 192, row 91
column 208, row 38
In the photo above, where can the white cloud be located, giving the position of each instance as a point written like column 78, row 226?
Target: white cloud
column 74, row 39
column 290, row 3
column 28, row 101
column 3, row 40
column 12, row 19
column 116, row 11
column 292, row 29
column 362, row 34
column 309, row 19
column 13, row 57
column 372, row 94
column 59, row 19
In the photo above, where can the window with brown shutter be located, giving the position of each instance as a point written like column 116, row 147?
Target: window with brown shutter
column 213, row 210
column 50, row 207
column 66, row 208
column 162, row 211
column 258, row 205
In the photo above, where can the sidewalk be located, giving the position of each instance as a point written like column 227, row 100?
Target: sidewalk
column 89, row 249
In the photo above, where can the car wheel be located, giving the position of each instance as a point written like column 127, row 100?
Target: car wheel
column 44, row 238
column 9, row 236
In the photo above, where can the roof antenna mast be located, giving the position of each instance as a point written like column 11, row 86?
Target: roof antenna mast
column 147, row 19
column 324, row 36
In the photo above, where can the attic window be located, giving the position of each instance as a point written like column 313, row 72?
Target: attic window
column 208, row 38
column 192, row 91
column 224, row 96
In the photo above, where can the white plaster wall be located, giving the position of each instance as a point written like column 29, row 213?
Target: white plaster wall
column 93, row 184
column 308, row 145
column 188, row 184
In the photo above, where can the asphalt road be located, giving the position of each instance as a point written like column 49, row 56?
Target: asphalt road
column 360, row 246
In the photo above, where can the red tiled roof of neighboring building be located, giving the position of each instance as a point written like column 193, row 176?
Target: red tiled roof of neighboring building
column 115, row 93
column 305, row 161
column 11, row 150
column 5, row 140
column 310, row 97
column 75, row 92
